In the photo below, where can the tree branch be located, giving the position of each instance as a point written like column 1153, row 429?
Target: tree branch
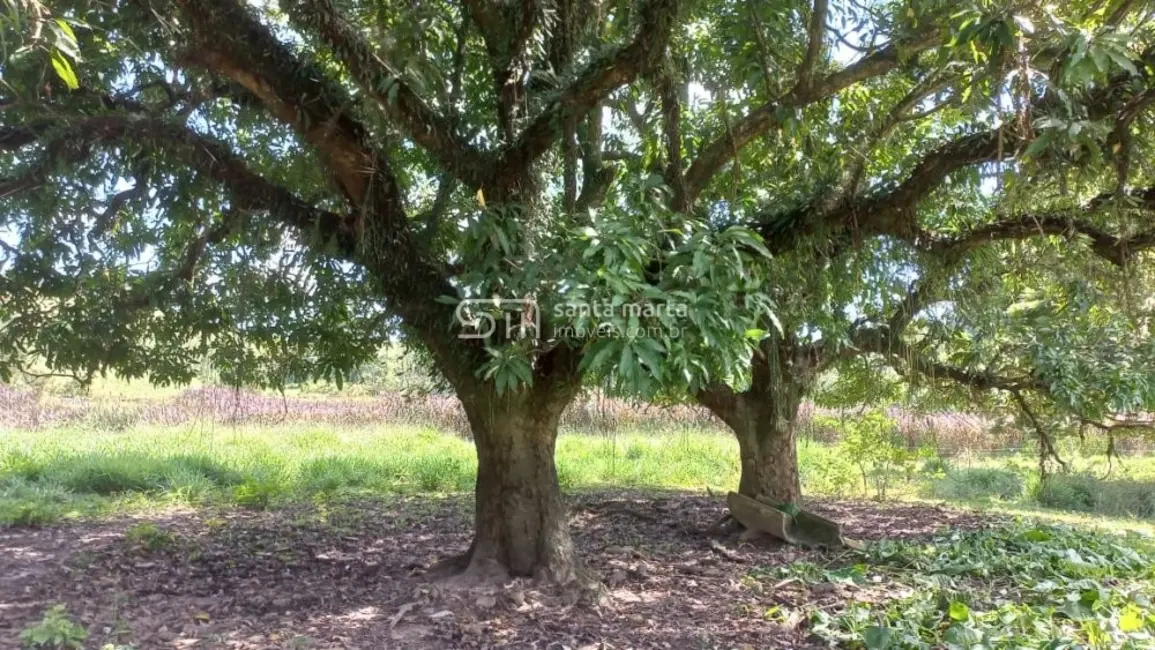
column 897, row 115
column 905, row 359
column 814, row 36
column 62, row 149
column 384, row 82
column 596, row 175
column 213, row 160
column 671, row 124
column 184, row 271
column 592, row 85
column 723, row 148
column 888, row 212
column 234, row 44
column 507, row 28
column 1116, row 249
column 1046, row 447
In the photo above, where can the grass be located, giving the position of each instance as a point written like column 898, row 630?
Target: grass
column 977, row 483
column 47, row 474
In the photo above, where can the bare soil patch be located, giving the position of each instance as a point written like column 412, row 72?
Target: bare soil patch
column 351, row 576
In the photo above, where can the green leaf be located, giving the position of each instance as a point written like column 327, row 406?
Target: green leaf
column 64, row 70
column 66, row 29
column 959, row 611
column 878, row 638
column 1037, row 535
column 605, row 347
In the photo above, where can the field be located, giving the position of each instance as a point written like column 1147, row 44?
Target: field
column 209, row 520
column 69, row 472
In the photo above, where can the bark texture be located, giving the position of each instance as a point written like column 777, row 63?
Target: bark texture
column 521, row 518
column 764, row 418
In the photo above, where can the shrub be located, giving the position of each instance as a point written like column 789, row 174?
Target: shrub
column 258, row 492
column 872, row 441
column 823, row 470
column 201, row 465
column 26, row 503
column 442, row 473
column 977, row 483
column 331, row 473
column 1067, row 492
column 21, row 464
column 28, row 514
column 55, row 630
column 103, row 475
column 935, row 465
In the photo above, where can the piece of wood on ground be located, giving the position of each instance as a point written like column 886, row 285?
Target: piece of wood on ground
column 755, row 515
column 804, row 529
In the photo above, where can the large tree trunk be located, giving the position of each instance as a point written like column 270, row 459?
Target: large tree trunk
column 766, row 444
column 521, row 527
column 764, row 419
column 769, row 459
column 521, row 519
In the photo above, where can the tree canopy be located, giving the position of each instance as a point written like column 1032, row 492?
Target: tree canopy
column 961, row 190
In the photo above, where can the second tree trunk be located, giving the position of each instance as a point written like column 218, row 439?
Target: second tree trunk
column 769, row 460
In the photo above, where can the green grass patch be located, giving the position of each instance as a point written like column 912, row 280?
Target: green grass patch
column 58, row 473
column 49, row 474
column 977, row 483
column 1083, row 492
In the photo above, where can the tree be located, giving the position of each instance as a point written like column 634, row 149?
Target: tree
column 895, row 166
column 285, row 189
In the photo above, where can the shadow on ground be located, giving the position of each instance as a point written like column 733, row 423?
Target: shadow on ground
column 351, row 576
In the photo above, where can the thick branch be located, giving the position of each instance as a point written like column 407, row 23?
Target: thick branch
column 1116, row 249
column 234, row 44
column 894, row 212
column 384, row 82
column 889, row 212
column 507, row 29
column 213, row 160
column 407, row 281
column 814, row 35
column 724, row 402
column 671, row 125
column 596, row 175
column 593, row 84
column 727, row 145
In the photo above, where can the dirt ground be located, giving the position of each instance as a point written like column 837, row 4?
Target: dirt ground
column 352, row 577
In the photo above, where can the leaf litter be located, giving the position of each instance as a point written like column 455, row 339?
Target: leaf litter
column 350, row 575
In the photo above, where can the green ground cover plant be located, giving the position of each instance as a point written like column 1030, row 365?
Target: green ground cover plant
column 1022, row 586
